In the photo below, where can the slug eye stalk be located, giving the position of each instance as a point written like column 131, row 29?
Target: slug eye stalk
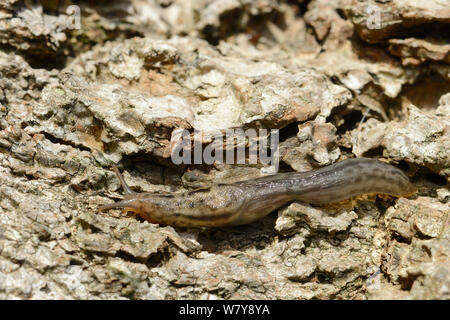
column 124, row 185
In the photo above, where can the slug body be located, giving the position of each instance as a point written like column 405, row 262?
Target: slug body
column 246, row 201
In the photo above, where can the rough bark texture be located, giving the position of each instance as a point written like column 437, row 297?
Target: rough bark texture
column 73, row 102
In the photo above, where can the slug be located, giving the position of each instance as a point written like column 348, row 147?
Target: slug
column 246, row 201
